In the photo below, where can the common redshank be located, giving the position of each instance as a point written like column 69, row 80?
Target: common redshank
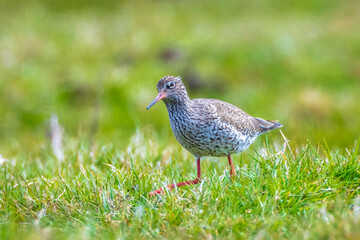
column 207, row 127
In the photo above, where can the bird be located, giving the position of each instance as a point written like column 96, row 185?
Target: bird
column 207, row 127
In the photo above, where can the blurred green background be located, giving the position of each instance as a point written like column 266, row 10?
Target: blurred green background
column 96, row 64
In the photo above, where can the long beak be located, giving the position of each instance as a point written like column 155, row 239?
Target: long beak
column 160, row 96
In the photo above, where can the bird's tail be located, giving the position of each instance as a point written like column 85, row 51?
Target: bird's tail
column 267, row 125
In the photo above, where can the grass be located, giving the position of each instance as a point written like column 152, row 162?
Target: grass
column 309, row 192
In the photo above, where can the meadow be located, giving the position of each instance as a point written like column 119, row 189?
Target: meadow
column 79, row 153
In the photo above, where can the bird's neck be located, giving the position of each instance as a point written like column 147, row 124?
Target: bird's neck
column 175, row 105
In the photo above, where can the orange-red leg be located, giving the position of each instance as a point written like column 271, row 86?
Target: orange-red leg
column 171, row 186
column 232, row 172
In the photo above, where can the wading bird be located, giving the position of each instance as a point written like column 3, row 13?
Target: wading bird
column 207, row 127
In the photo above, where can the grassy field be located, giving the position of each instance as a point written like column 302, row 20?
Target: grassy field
column 307, row 193
column 94, row 65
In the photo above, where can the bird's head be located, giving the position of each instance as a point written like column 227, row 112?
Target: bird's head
column 171, row 89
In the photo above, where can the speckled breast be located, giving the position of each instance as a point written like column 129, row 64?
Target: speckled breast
column 207, row 137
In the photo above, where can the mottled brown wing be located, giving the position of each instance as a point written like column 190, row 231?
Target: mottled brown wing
column 236, row 117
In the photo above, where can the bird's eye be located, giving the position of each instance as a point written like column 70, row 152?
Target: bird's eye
column 170, row 85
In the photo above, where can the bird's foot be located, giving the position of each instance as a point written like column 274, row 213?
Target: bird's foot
column 156, row 192
column 172, row 186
